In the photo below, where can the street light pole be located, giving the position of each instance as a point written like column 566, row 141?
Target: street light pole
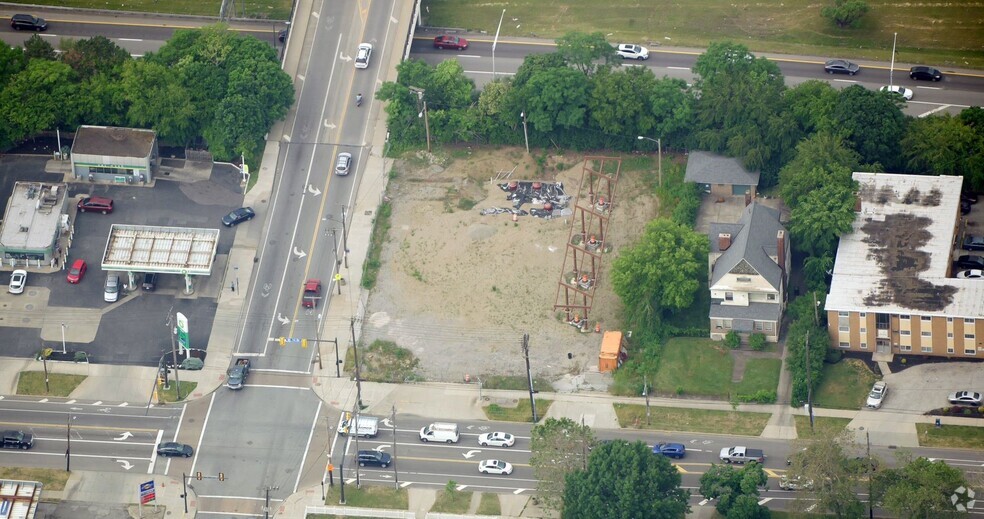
column 891, row 69
column 526, row 135
column 496, row 41
column 659, row 155
column 63, row 338
column 345, row 228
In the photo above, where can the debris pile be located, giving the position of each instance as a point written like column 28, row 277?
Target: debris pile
column 551, row 198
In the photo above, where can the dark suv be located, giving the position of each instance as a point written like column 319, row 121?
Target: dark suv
column 26, row 21
column 969, row 261
column 96, row 204
column 925, row 73
column 149, row 281
column 376, row 458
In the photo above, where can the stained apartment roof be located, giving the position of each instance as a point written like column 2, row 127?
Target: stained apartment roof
column 113, row 142
column 896, row 258
column 753, row 241
column 710, row 168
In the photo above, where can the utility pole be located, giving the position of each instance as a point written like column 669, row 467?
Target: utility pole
column 357, row 412
column 68, row 442
column 345, row 237
column 266, row 509
column 526, row 136
column 174, row 352
column 355, row 358
column 341, row 473
column 645, row 393
column 529, row 374
column 809, row 384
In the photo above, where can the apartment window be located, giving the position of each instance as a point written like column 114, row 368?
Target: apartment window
column 949, row 349
column 864, row 345
column 904, row 317
column 844, row 344
column 949, row 335
column 770, row 297
column 926, row 334
column 905, row 348
column 970, row 351
column 863, row 314
column 925, row 318
column 906, row 333
column 968, row 320
column 949, row 319
column 969, row 336
column 927, row 349
column 844, row 328
column 864, row 330
column 729, row 296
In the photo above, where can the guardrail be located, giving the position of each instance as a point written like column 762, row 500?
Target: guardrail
column 347, row 511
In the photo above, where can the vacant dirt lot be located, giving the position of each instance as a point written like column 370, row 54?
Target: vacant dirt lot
column 460, row 289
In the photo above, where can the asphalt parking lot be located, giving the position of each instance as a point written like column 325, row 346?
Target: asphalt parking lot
column 925, row 387
column 133, row 330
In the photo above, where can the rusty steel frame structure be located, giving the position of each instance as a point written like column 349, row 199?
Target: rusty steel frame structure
column 587, row 239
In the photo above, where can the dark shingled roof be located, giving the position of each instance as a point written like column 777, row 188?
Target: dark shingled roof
column 710, row 168
column 753, row 243
column 113, row 142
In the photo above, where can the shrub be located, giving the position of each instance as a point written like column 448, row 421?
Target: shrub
column 679, row 390
column 757, row 341
column 732, row 340
column 762, row 396
column 833, row 356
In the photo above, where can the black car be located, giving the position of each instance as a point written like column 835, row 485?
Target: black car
column 972, row 242
column 841, row 66
column 29, row 22
column 969, row 261
column 282, row 35
column 970, row 198
column 175, row 449
column 374, row 458
column 149, row 281
column 238, row 216
column 925, row 73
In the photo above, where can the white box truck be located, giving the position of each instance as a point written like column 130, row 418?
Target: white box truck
column 367, row 427
column 440, row 432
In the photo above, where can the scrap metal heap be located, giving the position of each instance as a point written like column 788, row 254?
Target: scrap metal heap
column 586, row 241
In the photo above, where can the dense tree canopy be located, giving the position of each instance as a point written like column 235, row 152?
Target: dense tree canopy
column 827, row 466
column 625, row 481
column 872, row 123
column 558, row 447
column 921, row 488
column 736, row 490
column 582, row 51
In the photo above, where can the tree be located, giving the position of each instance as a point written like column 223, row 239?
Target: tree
column 919, row 488
column 796, row 341
column 941, row 145
column 661, row 271
column 821, row 159
column 631, row 102
column 826, row 465
column 12, row 61
column 845, row 13
column 92, row 56
column 582, row 50
column 35, row 98
column 821, row 217
column 734, row 488
column 37, row 47
column 625, row 481
column 872, row 123
column 555, row 99
column 558, row 447
column 158, row 100
column 811, row 103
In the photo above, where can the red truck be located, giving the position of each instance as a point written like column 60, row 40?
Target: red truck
column 312, row 293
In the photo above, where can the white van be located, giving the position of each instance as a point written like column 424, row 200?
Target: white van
column 368, row 426
column 440, row 432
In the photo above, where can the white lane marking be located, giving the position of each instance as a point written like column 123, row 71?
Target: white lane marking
column 153, row 457
column 489, row 73
column 679, row 68
column 279, row 387
column 314, row 423
column 128, row 39
column 764, row 501
column 202, row 435
column 469, row 56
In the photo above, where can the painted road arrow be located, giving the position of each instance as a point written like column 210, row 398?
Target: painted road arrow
column 124, row 436
column 469, row 454
column 125, row 464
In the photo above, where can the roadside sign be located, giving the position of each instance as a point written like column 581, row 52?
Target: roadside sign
column 147, row 492
column 183, row 341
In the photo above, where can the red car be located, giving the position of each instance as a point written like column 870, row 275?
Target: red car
column 96, row 204
column 77, row 272
column 450, row 41
column 312, row 293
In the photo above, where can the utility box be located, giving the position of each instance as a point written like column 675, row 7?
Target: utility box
column 614, row 351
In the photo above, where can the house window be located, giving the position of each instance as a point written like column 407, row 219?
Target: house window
column 844, row 344
column 864, row 345
column 927, row 349
column 906, row 333
column 727, row 324
column 768, row 326
column 925, row 318
column 904, row 317
column 770, row 297
column 844, row 328
column 969, row 351
column 744, row 280
column 729, row 296
column 905, row 347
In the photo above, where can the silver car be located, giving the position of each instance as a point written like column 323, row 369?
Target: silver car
column 343, row 163
column 112, row 293
column 362, row 58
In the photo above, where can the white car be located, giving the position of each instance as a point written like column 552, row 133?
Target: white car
column 630, row 51
column 18, row 280
column 497, row 439
column 971, row 274
column 899, row 90
column 362, row 58
column 877, row 395
column 343, row 163
column 495, row 467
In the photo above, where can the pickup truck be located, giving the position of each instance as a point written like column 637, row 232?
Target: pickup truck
column 17, row 440
column 237, row 374
column 741, row 455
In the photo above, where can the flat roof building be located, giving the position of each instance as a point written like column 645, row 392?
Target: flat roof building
column 35, row 215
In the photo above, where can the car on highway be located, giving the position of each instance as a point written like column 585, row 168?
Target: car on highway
column 343, row 163
column 374, row 459
column 841, row 66
column 312, row 293
column 16, row 440
column 495, row 467
column 496, row 439
column 925, row 73
column 29, row 22
column 971, row 274
column 362, row 57
column 972, row 242
column 670, row 450
column 877, row 395
column 18, row 280
column 450, row 41
column 77, row 272
column 971, row 398
column 96, row 204
column 969, row 261
column 175, row 449
column 631, row 51
column 282, row 35
column 902, row 91
column 238, row 216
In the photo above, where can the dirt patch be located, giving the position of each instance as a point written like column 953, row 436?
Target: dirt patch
column 460, row 289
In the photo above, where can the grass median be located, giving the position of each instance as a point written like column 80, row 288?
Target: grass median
column 823, row 426
column 691, row 420
column 32, row 383
column 521, row 412
column 954, row 436
column 371, row 497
